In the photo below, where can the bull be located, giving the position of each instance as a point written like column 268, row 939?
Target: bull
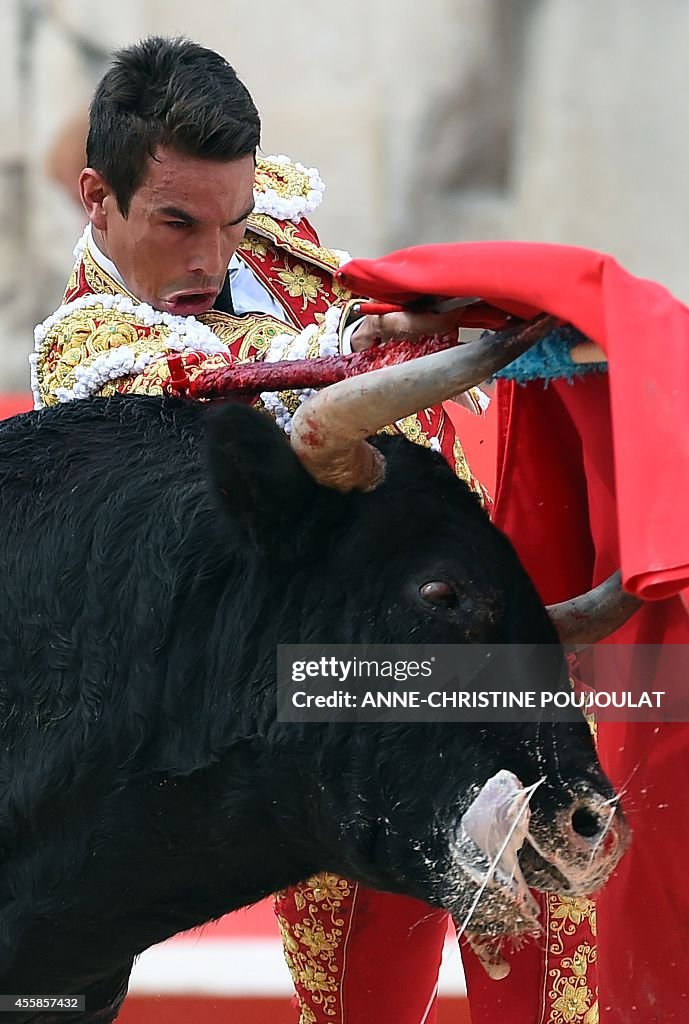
column 154, row 553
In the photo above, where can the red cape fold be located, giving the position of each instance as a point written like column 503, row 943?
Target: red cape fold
column 645, row 332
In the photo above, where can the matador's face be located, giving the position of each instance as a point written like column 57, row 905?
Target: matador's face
column 184, row 223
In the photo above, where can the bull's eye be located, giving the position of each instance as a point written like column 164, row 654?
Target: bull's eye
column 440, row 593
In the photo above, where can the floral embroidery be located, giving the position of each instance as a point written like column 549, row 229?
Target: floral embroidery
column 323, row 907
column 573, row 1002
column 253, row 244
column 300, row 284
column 575, row 910
column 572, row 997
column 106, row 340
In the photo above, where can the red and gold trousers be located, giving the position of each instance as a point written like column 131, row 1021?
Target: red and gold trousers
column 358, row 956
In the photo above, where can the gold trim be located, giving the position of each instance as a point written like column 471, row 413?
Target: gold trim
column 411, row 428
column 285, row 179
column 257, row 330
column 345, row 945
column 286, row 234
column 472, row 395
column 267, row 278
column 99, row 280
column 462, row 466
column 254, row 244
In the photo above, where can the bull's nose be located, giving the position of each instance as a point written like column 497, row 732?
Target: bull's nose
column 600, row 824
column 589, row 823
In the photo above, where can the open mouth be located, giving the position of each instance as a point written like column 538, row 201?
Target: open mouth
column 190, row 303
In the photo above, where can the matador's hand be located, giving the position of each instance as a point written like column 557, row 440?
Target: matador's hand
column 400, row 326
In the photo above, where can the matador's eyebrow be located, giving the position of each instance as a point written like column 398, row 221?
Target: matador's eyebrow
column 178, row 214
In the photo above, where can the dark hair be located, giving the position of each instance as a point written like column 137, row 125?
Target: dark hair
column 167, row 92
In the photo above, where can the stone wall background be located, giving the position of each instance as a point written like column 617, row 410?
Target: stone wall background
column 558, row 120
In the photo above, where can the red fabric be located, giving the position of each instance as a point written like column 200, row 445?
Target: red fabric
column 565, row 527
column 629, row 317
column 416, row 934
column 591, row 473
column 521, row 997
column 386, row 954
column 478, row 435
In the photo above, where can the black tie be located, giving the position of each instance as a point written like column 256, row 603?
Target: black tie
column 223, row 303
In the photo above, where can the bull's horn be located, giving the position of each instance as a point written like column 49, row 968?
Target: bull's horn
column 329, row 429
column 595, row 615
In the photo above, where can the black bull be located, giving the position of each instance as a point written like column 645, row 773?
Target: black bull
column 153, row 555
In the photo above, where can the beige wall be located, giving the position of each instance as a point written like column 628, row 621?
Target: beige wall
column 603, row 150
column 438, row 120
column 14, row 308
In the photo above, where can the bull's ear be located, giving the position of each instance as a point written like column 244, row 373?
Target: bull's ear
column 258, row 479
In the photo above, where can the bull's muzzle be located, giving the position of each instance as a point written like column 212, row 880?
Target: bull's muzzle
column 580, row 847
column 505, row 846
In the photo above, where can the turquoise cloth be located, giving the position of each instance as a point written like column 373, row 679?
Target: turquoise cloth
column 549, row 359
